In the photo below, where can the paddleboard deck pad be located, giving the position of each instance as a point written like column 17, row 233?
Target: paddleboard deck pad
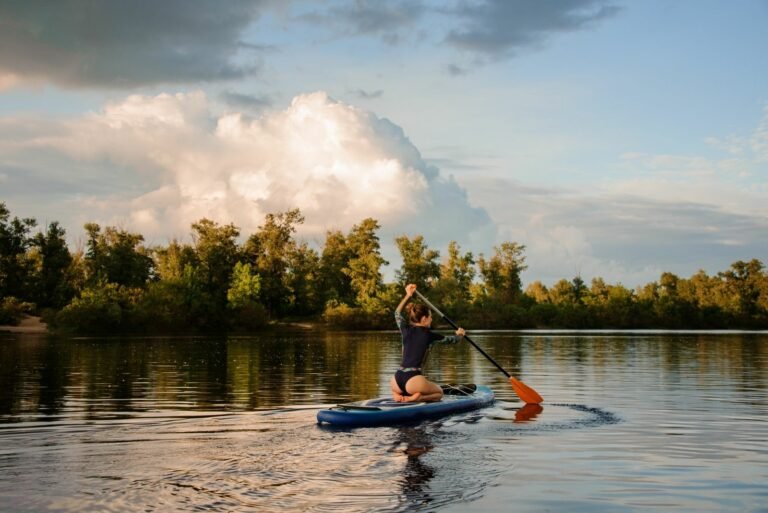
column 385, row 411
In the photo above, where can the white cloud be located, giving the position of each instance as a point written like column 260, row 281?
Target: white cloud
column 9, row 80
column 754, row 147
column 665, row 212
column 180, row 161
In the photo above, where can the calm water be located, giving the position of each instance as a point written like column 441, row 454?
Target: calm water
column 632, row 422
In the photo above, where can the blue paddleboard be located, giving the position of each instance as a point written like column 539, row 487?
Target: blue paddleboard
column 384, row 411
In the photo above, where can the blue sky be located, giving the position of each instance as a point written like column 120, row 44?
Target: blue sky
column 614, row 139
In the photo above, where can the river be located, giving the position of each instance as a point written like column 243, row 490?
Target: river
column 632, row 421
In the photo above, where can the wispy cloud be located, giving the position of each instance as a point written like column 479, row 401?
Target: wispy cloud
column 498, row 29
column 246, row 101
column 389, row 21
column 123, row 45
column 367, row 95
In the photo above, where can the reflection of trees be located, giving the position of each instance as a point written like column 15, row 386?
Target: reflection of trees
column 48, row 376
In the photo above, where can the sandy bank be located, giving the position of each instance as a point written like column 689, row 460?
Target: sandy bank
column 29, row 324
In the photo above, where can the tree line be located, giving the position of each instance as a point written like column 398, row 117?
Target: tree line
column 118, row 284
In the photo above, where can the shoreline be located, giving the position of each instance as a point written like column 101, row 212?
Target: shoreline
column 30, row 324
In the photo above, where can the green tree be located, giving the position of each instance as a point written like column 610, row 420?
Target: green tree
column 270, row 249
column 456, row 275
column 501, row 273
column 561, row 293
column 611, row 306
column 14, row 264
column 303, row 280
column 171, row 261
column 336, row 255
column 364, row 267
column 54, row 285
column 245, row 287
column 742, row 284
column 116, row 256
column 673, row 310
column 357, row 256
column 420, row 264
column 538, row 292
column 217, row 253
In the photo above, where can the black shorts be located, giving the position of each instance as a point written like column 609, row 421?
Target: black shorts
column 402, row 377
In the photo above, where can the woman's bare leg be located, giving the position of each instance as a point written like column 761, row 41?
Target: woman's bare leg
column 428, row 391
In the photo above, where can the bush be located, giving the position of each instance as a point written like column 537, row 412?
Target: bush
column 106, row 308
column 341, row 315
column 12, row 310
column 248, row 317
column 165, row 307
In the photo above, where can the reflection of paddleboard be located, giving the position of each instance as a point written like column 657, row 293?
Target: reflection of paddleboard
column 385, row 411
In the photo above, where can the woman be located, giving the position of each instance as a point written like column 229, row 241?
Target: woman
column 408, row 384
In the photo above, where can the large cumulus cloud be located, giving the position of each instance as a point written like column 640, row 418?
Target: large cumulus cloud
column 165, row 161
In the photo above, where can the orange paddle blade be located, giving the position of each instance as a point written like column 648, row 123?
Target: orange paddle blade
column 524, row 392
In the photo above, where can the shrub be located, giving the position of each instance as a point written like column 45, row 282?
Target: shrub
column 12, row 310
column 105, row 308
column 249, row 316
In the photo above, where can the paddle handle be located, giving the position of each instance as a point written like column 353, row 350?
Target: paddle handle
column 446, row 319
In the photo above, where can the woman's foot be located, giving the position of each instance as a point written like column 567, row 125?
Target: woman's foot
column 400, row 398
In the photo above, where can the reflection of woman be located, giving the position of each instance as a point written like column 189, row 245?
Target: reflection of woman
column 408, row 383
column 416, row 474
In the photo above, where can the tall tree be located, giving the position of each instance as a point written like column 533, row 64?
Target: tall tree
column 336, row 255
column 171, row 261
column 501, row 273
column 420, row 264
column 456, row 275
column 538, row 292
column 217, row 253
column 743, row 283
column 562, row 294
column 54, row 284
column 364, row 267
column 269, row 249
column 14, row 242
column 303, row 280
column 116, row 256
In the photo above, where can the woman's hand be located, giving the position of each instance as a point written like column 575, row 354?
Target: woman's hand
column 410, row 289
column 460, row 332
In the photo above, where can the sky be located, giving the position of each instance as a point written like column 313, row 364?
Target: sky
column 613, row 139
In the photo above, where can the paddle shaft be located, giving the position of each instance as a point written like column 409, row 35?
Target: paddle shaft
column 446, row 319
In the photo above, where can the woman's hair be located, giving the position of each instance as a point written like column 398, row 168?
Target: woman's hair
column 416, row 311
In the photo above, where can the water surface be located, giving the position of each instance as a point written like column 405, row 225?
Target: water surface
column 631, row 422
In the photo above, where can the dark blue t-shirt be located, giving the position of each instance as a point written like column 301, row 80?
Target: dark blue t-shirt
column 416, row 342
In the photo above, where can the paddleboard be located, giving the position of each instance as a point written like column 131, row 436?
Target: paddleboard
column 385, row 411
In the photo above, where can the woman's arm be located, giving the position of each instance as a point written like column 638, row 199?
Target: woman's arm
column 399, row 319
column 452, row 339
column 409, row 290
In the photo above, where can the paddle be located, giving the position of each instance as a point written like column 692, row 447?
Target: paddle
column 523, row 391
